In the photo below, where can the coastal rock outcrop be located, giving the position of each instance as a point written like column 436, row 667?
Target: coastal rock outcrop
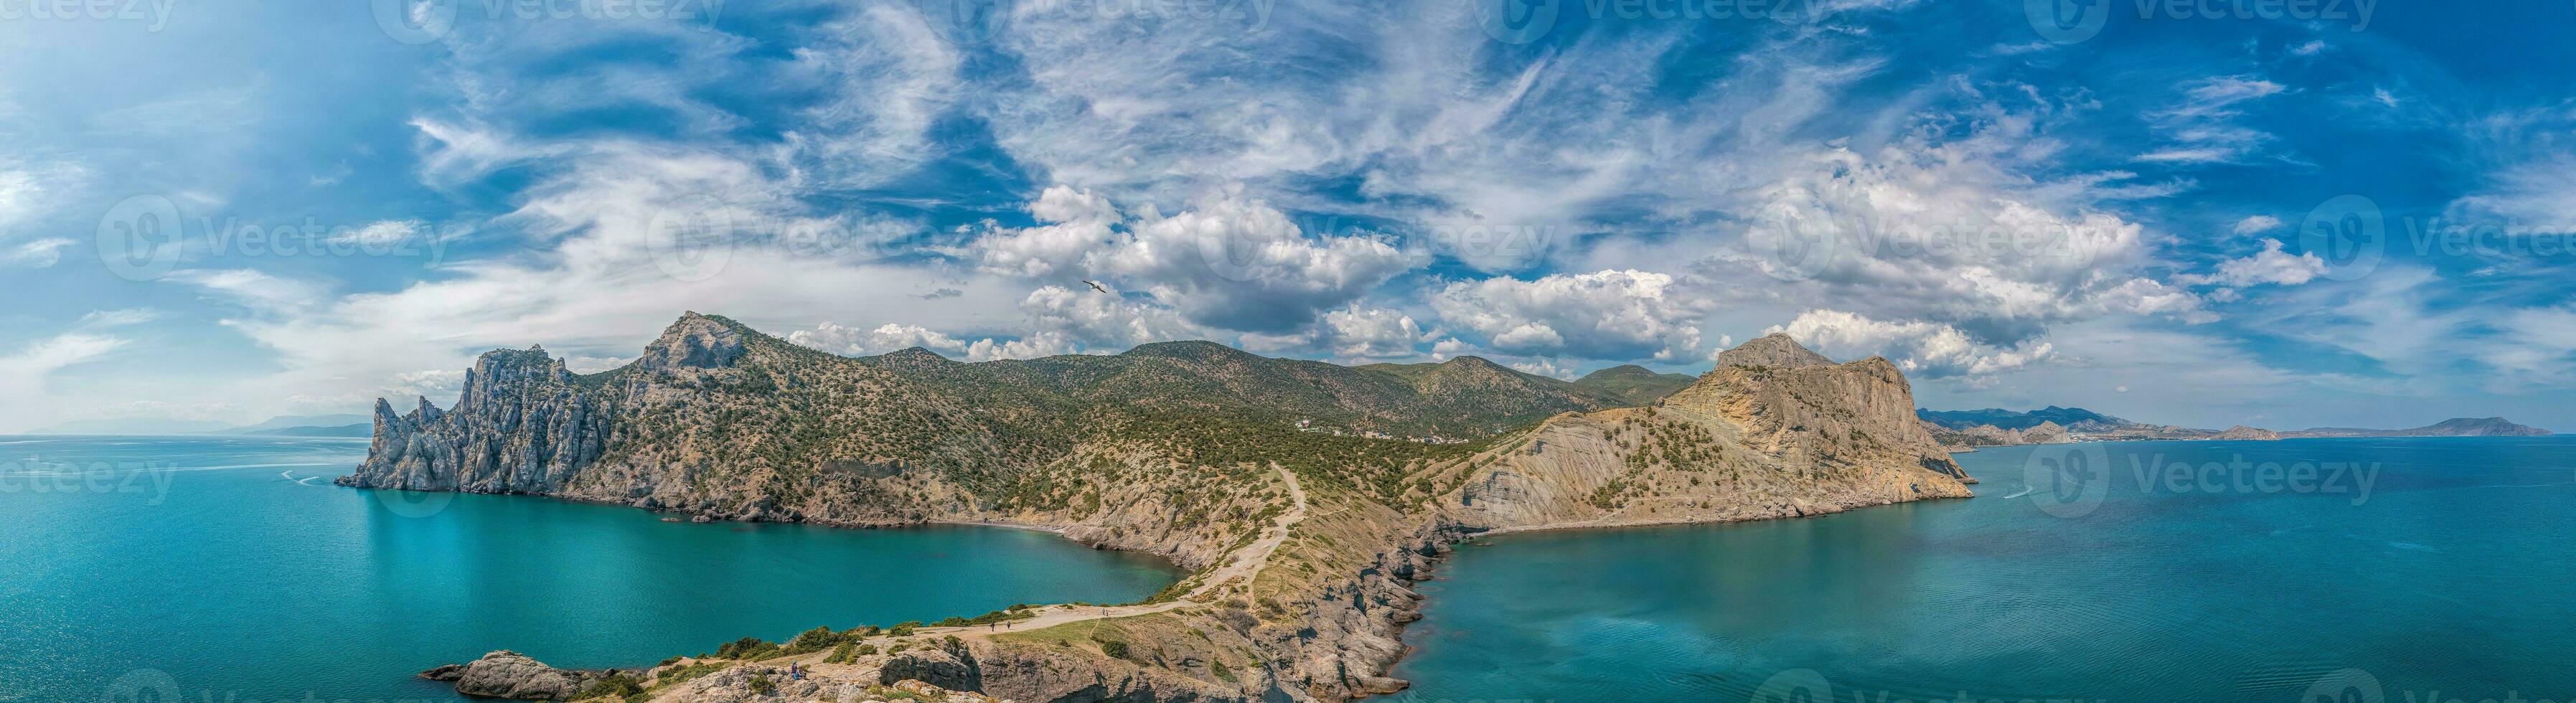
column 508, row 674
column 1775, row 435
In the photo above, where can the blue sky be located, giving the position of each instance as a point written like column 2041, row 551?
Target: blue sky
column 2275, row 214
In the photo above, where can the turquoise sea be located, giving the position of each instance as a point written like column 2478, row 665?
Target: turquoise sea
column 159, row 569
column 2431, row 569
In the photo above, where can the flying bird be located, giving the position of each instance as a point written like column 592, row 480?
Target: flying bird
column 1095, row 286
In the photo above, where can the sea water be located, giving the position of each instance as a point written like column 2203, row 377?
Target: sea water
column 2360, row 570
column 230, row 569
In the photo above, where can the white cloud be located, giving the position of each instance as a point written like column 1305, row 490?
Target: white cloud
column 381, row 233
column 1623, row 315
column 1926, row 349
column 2202, row 126
column 897, row 77
column 2256, row 224
column 25, row 373
column 2532, row 195
column 1545, row 367
column 851, row 341
column 41, row 253
column 1943, row 230
column 2271, row 265
column 1230, row 263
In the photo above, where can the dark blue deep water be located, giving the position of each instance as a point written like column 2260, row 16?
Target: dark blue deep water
column 2428, row 569
column 230, row 570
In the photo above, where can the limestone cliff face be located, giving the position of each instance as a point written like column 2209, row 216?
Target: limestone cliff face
column 1775, row 349
column 519, row 427
column 1775, row 435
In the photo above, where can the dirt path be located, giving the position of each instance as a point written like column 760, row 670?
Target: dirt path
column 1238, row 572
column 1247, row 562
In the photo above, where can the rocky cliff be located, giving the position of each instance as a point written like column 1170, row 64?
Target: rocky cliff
column 1306, row 497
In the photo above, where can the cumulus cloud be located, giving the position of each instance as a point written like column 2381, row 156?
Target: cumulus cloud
column 1357, row 332
column 2271, row 265
column 852, row 341
column 1946, row 230
column 1923, row 348
column 1623, row 314
column 1231, row 263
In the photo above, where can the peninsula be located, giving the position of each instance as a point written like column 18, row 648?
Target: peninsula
column 1304, row 498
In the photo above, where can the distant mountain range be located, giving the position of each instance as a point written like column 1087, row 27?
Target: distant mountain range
column 2010, row 420
column 332, row 425
column 1998, row 427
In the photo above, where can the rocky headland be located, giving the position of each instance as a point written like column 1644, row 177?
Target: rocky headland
column 1304, row 498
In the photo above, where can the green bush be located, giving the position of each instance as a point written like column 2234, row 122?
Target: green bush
column 748, row 648
column 614, row 686
column 1114, row 648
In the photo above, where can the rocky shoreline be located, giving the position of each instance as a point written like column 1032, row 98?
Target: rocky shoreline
column 1303, row 573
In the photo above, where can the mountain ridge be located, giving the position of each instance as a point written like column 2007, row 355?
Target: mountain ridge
column 1964, row 429
column 1304, row 497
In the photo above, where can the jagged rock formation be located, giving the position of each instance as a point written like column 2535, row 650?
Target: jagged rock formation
column 1288, row 486
column 1775, row 349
